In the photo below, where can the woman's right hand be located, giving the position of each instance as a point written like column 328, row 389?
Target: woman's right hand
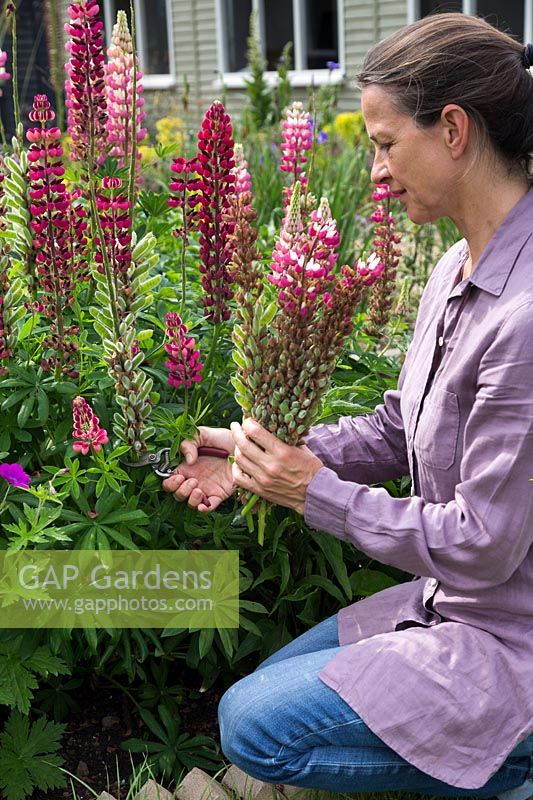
column 198, row 478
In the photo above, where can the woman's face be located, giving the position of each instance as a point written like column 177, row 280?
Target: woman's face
column 413, row 161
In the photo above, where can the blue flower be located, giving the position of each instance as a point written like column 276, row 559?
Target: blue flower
column 332, row 65
column 322, row 137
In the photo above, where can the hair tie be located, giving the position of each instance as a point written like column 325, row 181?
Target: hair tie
column 527, row 56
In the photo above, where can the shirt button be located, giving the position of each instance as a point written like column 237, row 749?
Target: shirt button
column 441, row 341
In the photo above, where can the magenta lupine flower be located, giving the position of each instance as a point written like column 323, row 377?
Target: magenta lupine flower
column 85, row 85
column 114, row 213
column 184, row 363
column 296, row 140
column 216, row 162
column 186, row 187
column 119, row 94
column 370, row 270
column 87, row 431
column 243, row 181
column 59, row 226
column 15, row 475
column 4, row 76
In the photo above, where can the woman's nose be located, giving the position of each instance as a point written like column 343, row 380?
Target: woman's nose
column 380, row 171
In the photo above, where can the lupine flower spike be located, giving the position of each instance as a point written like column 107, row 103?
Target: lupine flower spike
column 59, row 226
column 113, row 211
column 296, row 140
column 87, row 432
column 4, row 76
column 217, row 182
column 119, row 94
column 85, row 86
column 387, row 255
column 184, row 366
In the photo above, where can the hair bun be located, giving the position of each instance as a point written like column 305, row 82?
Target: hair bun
column 527, row 56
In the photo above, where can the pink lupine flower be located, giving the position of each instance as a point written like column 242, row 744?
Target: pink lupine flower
column 119, row 94
column 184, row 363
column 114, row 213
column 87, row 431
column 296, row 140
column 4, row 76
column 243, row 181
column 15, row 475
column 186, row 187
column 85, row 85
column 217, row 181
column 59, row 228
column 382, row 263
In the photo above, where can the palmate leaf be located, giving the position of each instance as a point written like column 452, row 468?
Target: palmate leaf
column 28, row 756
column 17, row 680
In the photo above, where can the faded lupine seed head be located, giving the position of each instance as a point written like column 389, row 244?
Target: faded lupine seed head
column 87, row 431
column 85, row 85
column 385, row 261
column 119, row 95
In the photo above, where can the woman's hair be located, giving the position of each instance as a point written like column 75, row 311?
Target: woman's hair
column 455, row 58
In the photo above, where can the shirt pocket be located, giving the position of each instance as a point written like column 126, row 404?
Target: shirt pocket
column 438, row 429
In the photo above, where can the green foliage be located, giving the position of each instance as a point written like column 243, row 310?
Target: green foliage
column 259, row 111
column 28, row 756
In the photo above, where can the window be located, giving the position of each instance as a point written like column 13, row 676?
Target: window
column 514, row 17
column 153, row 37
column 313, row 26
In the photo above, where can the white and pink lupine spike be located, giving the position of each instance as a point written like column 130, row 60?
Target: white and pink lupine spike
column 370, row 270
column 243, row 181
column 119, row 95
column 296, row 140
column 4, row 76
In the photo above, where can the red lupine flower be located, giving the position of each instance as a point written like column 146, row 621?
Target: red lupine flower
column 186, row 187
column 87, row 431
column 59, row 226
column 85, row 85
column 119, row 94
column 217, row 181
column 184, row 363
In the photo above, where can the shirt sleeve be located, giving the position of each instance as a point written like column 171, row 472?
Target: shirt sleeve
column 370, row 448
column 478, row 539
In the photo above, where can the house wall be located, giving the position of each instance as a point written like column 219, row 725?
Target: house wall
column 195, row 52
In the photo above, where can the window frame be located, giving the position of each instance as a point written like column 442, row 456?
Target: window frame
column 470, row 7
column 297, row 76
column 150, row 81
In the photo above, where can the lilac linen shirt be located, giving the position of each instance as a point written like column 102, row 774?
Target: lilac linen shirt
column 441, row 668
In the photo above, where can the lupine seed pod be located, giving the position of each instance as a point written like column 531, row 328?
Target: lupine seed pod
column 385, row 244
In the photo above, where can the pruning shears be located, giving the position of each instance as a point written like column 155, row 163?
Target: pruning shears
column 164, row 466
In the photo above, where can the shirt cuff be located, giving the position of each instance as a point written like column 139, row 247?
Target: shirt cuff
column 326, row 501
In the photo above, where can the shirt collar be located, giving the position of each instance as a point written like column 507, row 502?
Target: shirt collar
column 499, row 256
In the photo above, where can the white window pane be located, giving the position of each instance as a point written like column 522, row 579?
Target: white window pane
column 322, row 33
column 155, row 38
column 504, row 15
column 279, row 29
column 237, row 23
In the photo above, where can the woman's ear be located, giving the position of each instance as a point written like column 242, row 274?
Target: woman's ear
column 456, row 128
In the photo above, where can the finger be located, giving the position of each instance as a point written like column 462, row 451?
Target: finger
column 255, row 431
column 189, row 450
column 245, row 464
column 246, row 446
column 196, row 497
column 184, row 491
column 241, row 478
column 173, row 481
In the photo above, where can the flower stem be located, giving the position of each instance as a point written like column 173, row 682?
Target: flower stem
column 133, row 161
column 14, row 57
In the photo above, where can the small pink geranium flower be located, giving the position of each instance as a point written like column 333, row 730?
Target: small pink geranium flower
column 15, row 475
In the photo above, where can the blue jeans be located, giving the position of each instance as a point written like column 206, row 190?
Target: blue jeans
column 281, row 724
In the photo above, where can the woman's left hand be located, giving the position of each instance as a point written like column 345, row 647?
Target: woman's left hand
column 270, row 468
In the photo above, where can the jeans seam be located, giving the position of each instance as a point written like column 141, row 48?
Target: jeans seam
column 314, row 733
